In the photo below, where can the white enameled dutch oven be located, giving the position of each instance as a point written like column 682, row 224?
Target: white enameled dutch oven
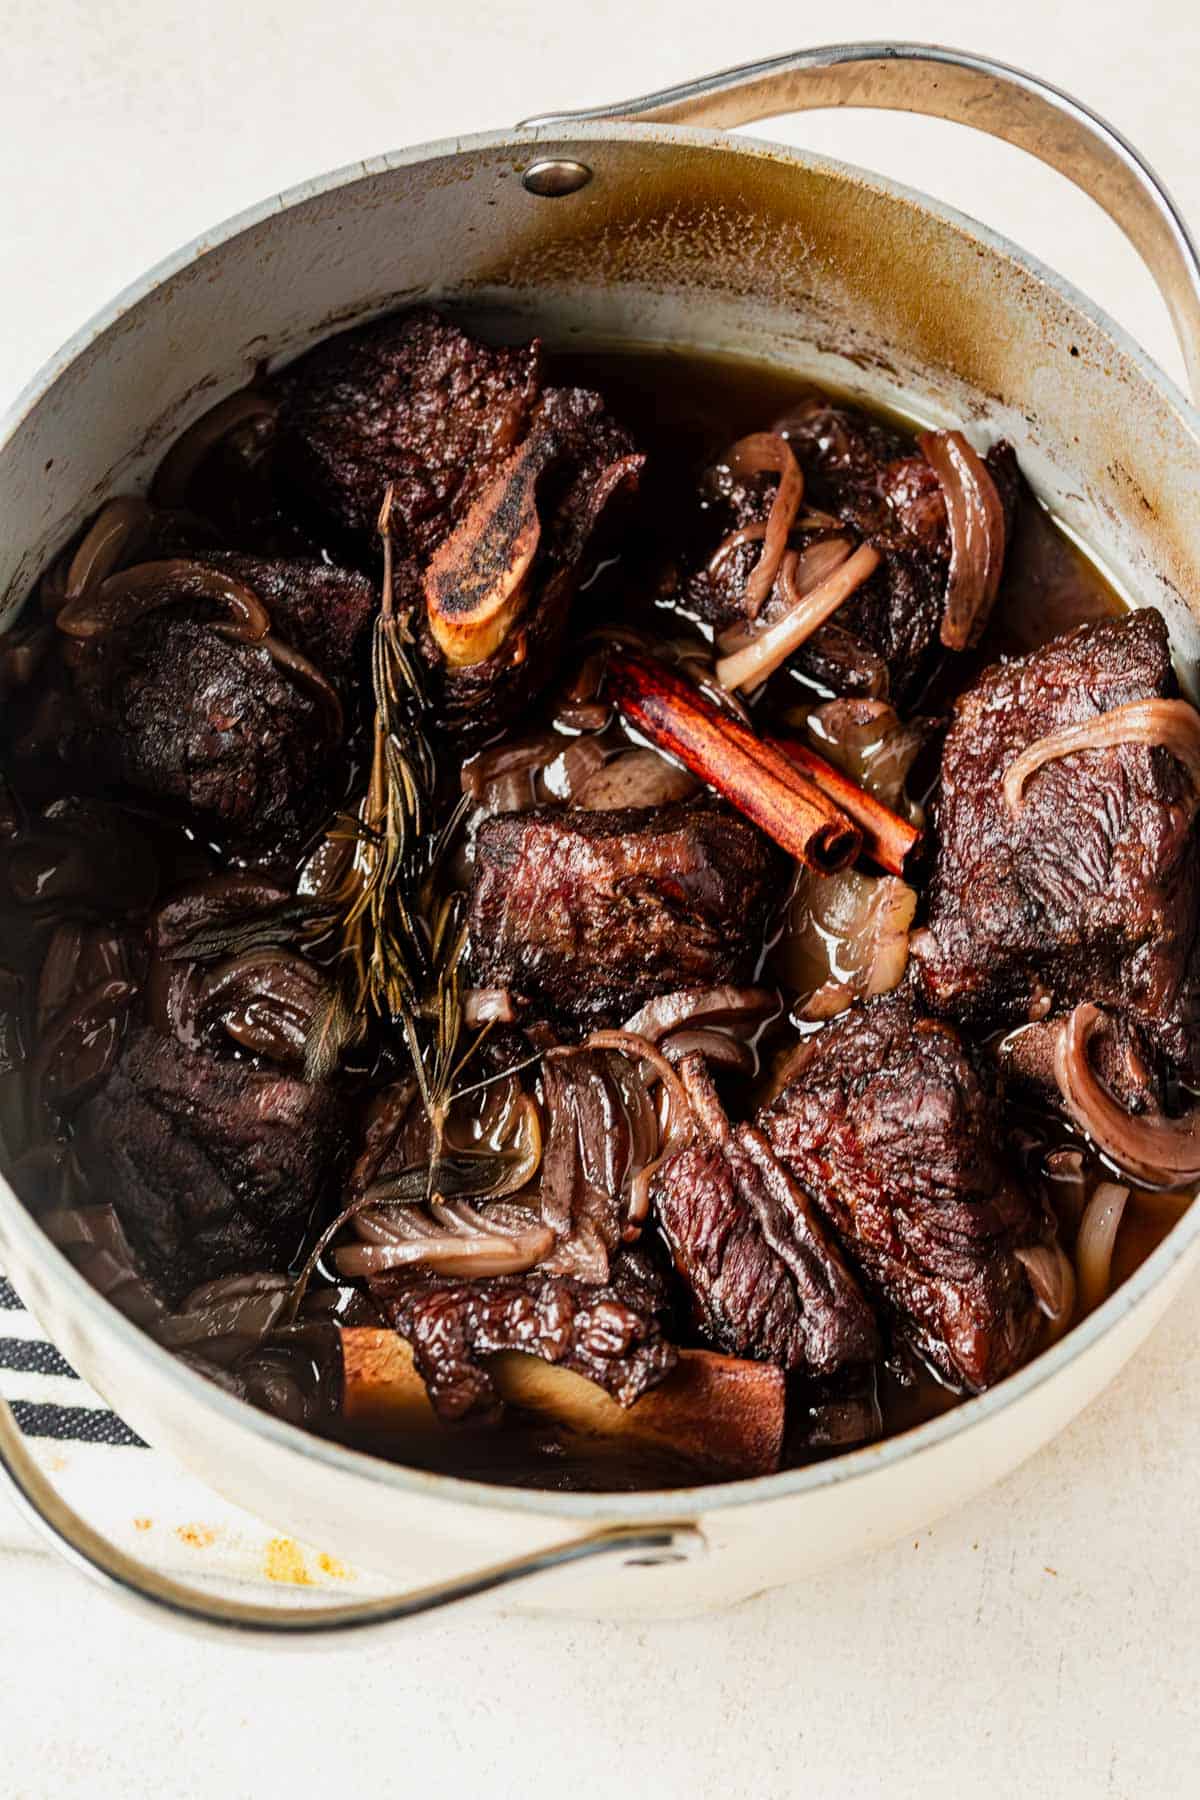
column 645, row 223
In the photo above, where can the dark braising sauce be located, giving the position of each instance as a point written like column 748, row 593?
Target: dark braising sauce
column 233, row 1177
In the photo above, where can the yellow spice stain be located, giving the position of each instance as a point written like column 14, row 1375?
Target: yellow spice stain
column 336, row 1571
column 142, row 1524
column 200, row 1537
column 285, row 1562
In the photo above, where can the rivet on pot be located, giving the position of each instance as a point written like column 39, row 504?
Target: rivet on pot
column 554, row 177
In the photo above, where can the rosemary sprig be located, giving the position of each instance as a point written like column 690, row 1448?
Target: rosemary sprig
column 401, row 933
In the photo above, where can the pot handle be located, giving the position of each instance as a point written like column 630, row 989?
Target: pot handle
column 151, row 1592
column 971, row 90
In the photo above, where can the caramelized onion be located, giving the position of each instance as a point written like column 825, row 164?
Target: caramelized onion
column 1053, row 1282
column 266, row 1000
column 568, row 773
column 870, row 742
column 716, row 1008
column 745, row 534
column 800, row 573
column 635, row 778
column 94, row 1239
column 1172, row 725
column 715, row 1046
column 453, row 1239
column 117, row 529
column 777, row 641
column 846, row 938
column 123, row 599
column 1096, row 1241
column 223, row 1319
column 207, row 918
column 80, row 1048
column 502, row 780
column 1150, row 1148
column 975, row 517
column 678, row 1125
column 307, row 676
column 178, row 467
column 761, row 453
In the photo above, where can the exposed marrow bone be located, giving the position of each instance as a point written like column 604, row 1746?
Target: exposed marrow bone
column 718, row 1411
column 476, row 584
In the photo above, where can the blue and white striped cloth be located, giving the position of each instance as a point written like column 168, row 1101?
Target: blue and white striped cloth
column 47, row 1397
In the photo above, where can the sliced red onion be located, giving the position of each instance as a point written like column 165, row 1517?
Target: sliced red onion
column 635, row 778
column 1149, row 1147
column 117, row 529
column 267, row 1000
column 307, row 676
column 717, row 1048
column 761, row 453
column 869, row 741
column 80, row 1048
column 776, row 642
column 201, row 918
column 452, row 1239
column 975, row 517
column 123, row 599
column 223, row 1319
column 846, row 938
column 729, row 1009
column 1052, row 1279
column 1096, row 1242
column 1172, row 725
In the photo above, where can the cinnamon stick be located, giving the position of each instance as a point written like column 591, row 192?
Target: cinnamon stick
column 752, row 775
column 887, row 838
column 717, row 1411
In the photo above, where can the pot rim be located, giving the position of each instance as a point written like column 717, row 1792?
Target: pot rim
column 656, row 1504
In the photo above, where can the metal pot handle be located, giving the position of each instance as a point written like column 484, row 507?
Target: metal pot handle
column 971, row 90
column 138, row 1584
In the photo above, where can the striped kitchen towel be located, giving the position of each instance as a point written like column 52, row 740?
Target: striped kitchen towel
column 135, row 1495
column 46, row 1396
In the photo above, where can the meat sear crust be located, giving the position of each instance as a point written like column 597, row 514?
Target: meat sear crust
column 1091, row 892
column 412, row 401
column 214, row 1167
column 866, row 476
column 892, row 1125
column 171, row 708
column 767, row 1280
column 585, row 915
column 614, row 1334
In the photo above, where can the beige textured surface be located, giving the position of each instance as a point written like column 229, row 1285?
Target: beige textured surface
column 1045, row 1641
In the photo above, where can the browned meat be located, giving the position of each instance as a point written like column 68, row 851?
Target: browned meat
column 893, row 1127
column 412, row 401
column 588, row 914
column 498, row 487
column 766, row 1280
column 170, row 707
column 612, row 1334
column 865, row 476
column 1091, row 892
column 213, row 1167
